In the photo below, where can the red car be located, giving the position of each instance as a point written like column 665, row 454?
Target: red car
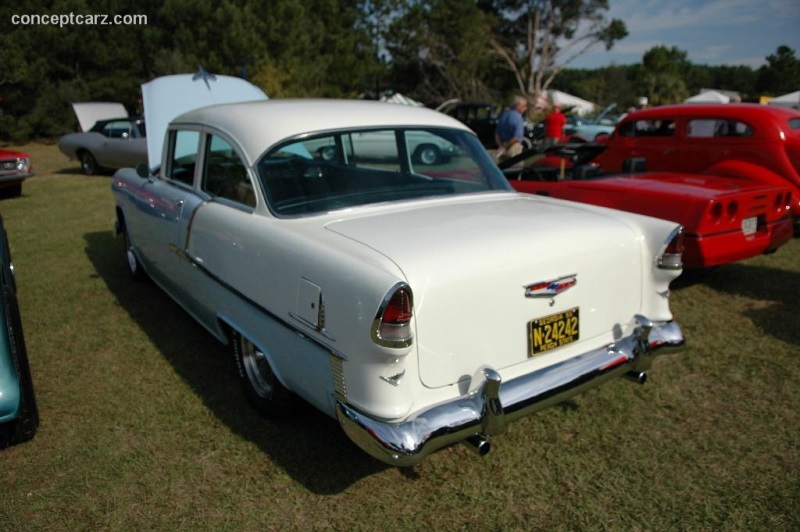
column 725, row 219
column 757, row 142
column 15, row 167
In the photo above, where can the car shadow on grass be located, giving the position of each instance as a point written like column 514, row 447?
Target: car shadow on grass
column 69, row 170
column 775, row 291
column 310, row 446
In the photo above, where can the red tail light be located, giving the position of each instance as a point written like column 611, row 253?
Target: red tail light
column 392, row 325
column 398, row 311
column 733, row 209
column 714, row 213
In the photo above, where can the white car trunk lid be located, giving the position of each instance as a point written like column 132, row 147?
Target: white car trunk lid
column 470, row 304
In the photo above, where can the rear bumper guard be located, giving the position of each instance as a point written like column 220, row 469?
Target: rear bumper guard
column 486, row 411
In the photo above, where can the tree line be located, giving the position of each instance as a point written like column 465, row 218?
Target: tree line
column 430, row 50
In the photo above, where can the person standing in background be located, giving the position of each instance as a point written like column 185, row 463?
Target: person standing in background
column 511, row 129
column 554, row 126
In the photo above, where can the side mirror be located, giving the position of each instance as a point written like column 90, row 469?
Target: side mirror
column 142, row 170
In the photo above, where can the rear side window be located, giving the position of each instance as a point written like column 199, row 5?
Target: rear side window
column 794, row 124
column 225, row 175
column 717, row 127
column 648, row 128
column 120, row 129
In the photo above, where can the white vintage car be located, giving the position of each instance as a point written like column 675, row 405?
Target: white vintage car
column 421, row 305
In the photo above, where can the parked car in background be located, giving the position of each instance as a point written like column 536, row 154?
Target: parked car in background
column 15, row 167
column 420, row 305
column 112, row 141
column 590, row 129
column 724, row 219
column 482, row 119
column 755, row 142
column 378, row 145
column 19, row 415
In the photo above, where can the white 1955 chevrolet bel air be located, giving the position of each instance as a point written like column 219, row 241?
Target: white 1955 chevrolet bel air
column 417, row 299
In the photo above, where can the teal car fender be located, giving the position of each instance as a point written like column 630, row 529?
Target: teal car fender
column 19, row 415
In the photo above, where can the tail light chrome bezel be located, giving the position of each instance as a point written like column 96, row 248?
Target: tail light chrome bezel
column 671, row 255
column 395, row 333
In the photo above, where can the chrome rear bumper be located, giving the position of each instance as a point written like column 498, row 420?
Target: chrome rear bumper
column 486, row 411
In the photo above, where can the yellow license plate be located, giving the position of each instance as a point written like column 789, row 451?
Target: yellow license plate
column 553, row 331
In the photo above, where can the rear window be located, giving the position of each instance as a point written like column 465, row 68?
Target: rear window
column 717, row 127
column 345, row 169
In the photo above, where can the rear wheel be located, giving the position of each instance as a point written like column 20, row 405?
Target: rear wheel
column 261, row 386
column 427, row 154
column 11, row 191
column 88, row 163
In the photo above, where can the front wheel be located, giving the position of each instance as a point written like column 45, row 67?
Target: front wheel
column 132, row 263
column 261, row 386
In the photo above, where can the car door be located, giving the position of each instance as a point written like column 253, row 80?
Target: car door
column 169, row 201
column 115, row 143
column 656, row 142
column 215, row 249
column 708, row 139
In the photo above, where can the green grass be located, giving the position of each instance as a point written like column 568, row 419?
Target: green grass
column 144, row 426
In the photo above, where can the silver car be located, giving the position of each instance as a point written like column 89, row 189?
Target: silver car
column 106, row 142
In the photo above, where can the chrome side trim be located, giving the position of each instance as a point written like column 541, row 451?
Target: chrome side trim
column 489, row 407
column 337, row 375
column 197, row 263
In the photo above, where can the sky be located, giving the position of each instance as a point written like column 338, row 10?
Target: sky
column 711, row 32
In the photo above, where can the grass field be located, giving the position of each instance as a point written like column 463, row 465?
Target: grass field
column 144, row 426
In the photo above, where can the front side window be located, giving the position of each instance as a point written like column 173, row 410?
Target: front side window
column 183, row 146
column 648, row 128
column 224, row 173
column 358, row 167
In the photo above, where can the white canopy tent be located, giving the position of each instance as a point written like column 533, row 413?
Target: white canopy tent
column 787, row 100
column 579, row 105
column 401, row 99
column 709, row 97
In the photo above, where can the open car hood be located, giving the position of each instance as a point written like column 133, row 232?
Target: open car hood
column 89, row 113
column 577, row 153
column 169, row 96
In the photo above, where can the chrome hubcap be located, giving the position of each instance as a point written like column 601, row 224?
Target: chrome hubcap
column 428, row 156
column 257, row 368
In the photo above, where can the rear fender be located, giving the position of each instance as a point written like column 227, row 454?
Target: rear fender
column 754, row 172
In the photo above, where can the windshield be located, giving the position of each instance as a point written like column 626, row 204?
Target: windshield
column 344, row 169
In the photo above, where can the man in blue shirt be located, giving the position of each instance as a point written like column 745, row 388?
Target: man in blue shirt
column 511, row 129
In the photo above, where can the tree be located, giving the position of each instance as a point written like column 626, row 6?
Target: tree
column 661, row 76
column 537, row 39
column 781, row 74
column 440, row 49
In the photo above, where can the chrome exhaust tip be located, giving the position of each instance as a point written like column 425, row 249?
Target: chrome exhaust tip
column 479, row 444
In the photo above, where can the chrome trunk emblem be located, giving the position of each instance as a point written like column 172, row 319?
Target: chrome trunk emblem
column 552, row 287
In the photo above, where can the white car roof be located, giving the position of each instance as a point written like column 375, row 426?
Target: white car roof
column 257, row 126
